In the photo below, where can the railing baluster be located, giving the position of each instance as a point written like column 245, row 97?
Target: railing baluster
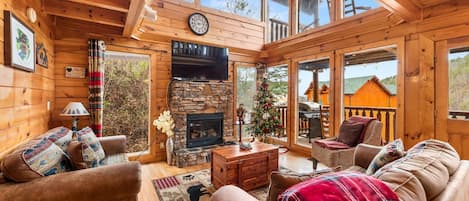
column 371, row 113
column 378, row 115
column 387, row 128
column 363, row 113
column 350, row 113
column 356, row 112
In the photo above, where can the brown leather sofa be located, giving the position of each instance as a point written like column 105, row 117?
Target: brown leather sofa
column 421, row 180
column 117, row 182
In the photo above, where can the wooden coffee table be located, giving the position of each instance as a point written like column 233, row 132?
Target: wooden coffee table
column 248, row 169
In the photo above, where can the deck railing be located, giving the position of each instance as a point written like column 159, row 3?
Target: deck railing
column 386, row 115
column 278, row 30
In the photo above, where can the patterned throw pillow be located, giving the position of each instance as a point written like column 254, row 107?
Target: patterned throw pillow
column 92, row 151
column 61, row 136
column 390, row 152
column 34, row 159
column 46, row 158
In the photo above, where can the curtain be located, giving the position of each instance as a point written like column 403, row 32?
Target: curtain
column 96, row 50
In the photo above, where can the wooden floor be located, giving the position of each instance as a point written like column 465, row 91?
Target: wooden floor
column 290, row 160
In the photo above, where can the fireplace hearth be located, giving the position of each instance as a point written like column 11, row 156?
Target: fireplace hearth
column 204, row 129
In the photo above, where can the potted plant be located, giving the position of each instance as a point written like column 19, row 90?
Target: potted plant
column 165, row 124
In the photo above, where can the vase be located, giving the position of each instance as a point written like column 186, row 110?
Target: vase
column 169, row 150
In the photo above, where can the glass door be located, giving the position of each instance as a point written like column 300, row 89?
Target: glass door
column 126, row 98
column 313, row 100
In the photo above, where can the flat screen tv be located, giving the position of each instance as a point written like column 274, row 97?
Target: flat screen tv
column 197, row 62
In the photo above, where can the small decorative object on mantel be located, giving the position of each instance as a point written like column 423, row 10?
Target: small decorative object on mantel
column 41, row 55
column 240, row 112
column 75, row 72
column 266, row 118
column 19, row 43
column 198, row 23
column 165, row 124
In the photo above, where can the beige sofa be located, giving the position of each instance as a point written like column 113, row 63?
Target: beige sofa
column 417, row 184
column 114, row 182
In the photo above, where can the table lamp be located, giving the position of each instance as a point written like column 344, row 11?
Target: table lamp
column 75, row 110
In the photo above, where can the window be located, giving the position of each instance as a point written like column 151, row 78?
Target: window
column 370, row 87
column 126, row 98
column 458, row 80
column 277, row 19
column 246, row 8
column 312, row 14
column 355, row 7
column 245, row 91
column 278, row 85
column 313, row 92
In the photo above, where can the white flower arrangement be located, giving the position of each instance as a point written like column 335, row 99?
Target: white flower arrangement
column 165, row 123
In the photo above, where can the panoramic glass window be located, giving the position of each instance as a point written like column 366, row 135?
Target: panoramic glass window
column 458, row 80
column 278, row 85
column 355, row 7
column 126, row 98
column 245, row 92
column 313, row 96
column 370, row 87
column 277, row 19
column 313, row 13
column 247, row 8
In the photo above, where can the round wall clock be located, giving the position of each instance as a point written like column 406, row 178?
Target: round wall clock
column 198, row 23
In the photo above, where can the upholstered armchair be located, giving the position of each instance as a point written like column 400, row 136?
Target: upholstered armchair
column 344, row 157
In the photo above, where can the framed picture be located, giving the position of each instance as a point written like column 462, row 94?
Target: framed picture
column 19, row 43
column 41, row 55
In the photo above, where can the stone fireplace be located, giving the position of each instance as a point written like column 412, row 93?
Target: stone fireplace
column 208, row 106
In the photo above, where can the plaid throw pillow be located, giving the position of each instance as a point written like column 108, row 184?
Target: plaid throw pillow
column 92, row 152
column 389, row 153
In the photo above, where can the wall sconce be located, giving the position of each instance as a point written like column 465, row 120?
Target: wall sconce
column 31, row 14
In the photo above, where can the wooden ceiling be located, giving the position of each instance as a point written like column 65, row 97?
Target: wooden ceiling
column 96, row 16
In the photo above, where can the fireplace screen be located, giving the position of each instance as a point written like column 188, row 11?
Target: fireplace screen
column 204, row 129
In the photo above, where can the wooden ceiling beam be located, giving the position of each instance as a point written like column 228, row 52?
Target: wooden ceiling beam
column 406, row 9
column 115, row 5
column 134, row 16
column 83, row 12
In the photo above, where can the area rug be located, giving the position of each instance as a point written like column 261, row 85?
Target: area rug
column 195, row 186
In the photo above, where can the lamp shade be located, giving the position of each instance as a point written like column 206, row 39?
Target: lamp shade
column 74, row 109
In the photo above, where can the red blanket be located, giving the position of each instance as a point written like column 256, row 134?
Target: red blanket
column 341, row 186
column 331, row 144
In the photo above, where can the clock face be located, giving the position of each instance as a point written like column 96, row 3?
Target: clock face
column 198, row 24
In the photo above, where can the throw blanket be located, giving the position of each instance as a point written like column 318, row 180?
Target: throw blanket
column 341, row 186
column 334, row 144
column 331, row 144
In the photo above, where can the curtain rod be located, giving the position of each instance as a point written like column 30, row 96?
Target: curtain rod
column 139, row 48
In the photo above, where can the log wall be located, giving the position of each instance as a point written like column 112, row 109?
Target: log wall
column 24, row 95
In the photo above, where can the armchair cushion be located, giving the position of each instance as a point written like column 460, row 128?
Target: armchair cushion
column 387, row 154
column 350, row 132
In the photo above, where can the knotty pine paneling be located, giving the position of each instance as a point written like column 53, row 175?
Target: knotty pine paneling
column 226, row 30
column 24, row 95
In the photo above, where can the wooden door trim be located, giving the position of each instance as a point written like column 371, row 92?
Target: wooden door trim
column 294, row 99
column 149, row 155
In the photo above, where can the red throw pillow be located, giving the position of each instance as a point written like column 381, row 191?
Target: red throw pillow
column 350, row 132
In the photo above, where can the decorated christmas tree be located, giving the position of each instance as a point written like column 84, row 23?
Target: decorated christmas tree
column 266, row 118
